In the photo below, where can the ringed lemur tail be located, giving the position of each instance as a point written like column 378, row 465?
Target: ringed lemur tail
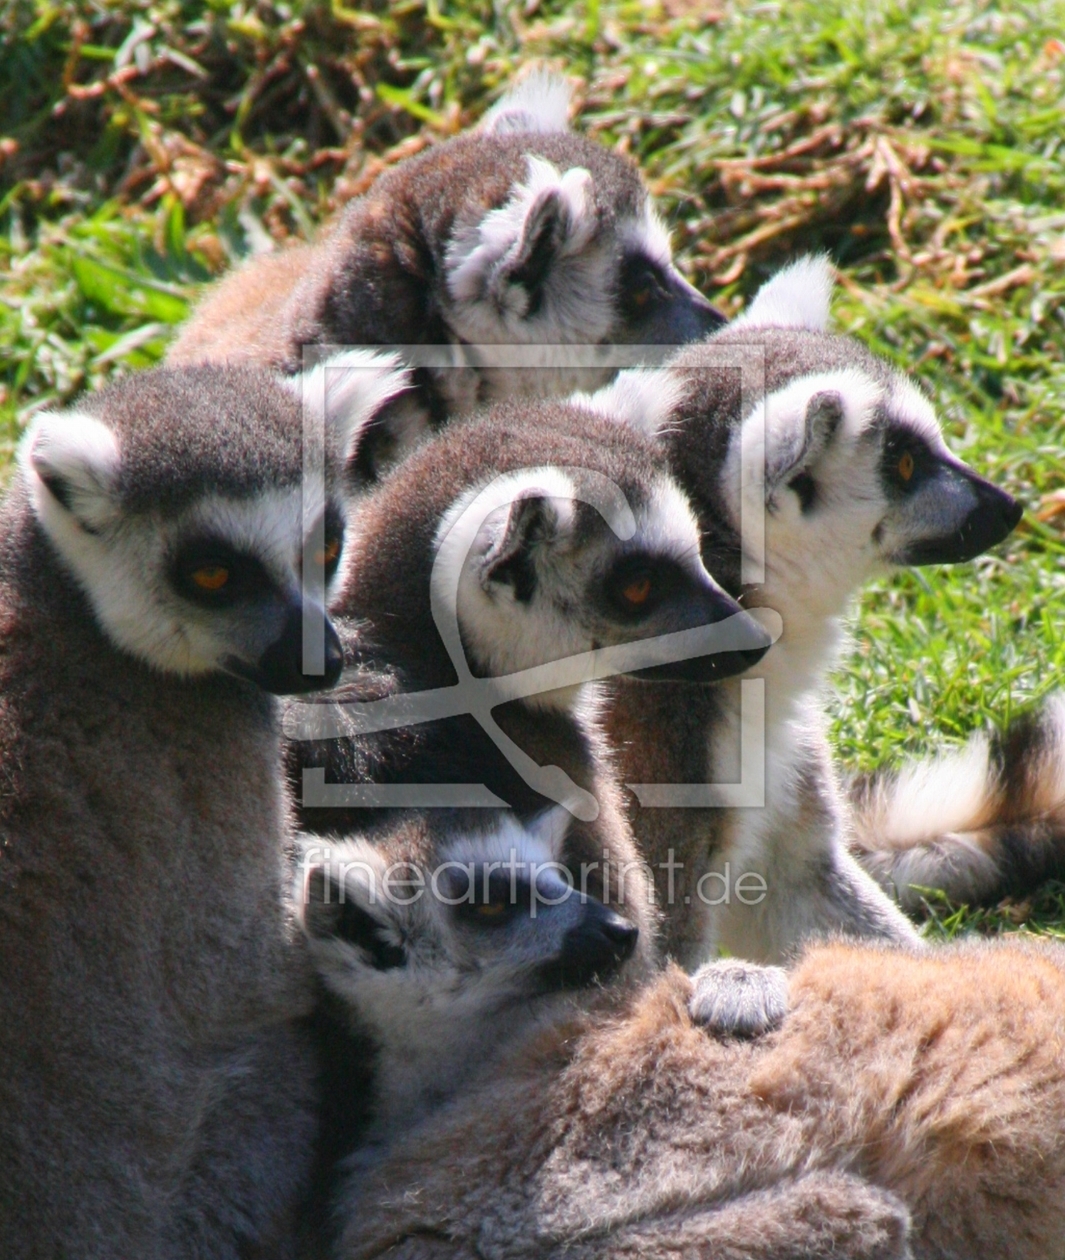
column 982, row 823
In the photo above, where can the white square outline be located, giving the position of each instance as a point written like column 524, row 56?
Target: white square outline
column 748, row 792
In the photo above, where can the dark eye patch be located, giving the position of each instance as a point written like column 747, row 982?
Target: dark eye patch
column 906, row 460
column 638, row 584
column 642, row 285
column 212, row 573
column 329, row 554
column 496, row 899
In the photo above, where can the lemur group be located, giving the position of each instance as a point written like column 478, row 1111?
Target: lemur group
column 418, row 836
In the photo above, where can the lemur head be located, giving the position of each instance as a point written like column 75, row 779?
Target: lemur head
column 542, row 532
column 556, row 242
column 520, row 251
column 857, row 476
column 441, row 961
column 181, row 503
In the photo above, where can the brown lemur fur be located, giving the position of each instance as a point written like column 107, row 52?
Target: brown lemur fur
column 911, row 1105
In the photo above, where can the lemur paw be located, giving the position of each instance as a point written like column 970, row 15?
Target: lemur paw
column 734, row 998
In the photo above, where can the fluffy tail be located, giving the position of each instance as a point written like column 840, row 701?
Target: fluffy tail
column 980, row 824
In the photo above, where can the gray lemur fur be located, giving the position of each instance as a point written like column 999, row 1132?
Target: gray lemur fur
column 840, row 430
column 480, row 941
column 519, row 233
column 157, row 1089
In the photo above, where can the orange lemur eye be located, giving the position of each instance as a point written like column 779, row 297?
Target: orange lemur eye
column 211, row 577
column 490, row 910
column 906, row 466
column 329, row 552
column 638, row 591
column 641, row 297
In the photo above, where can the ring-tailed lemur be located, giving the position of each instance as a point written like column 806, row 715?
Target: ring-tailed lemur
column 502, row 522
column 518, row 233
column 911, row 1105
column 856, row 478
column 445, row 951
column 156, row 1095
column 979, row 824
column 542, row 532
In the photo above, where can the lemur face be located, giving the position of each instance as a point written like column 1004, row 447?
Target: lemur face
column 858, row 479
column 547, row 575
column 573, row 256
column 857, row 476
column 496, row 924
column 551, row 268
column 178, row 500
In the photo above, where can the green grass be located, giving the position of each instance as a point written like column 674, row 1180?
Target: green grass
column 144, row 146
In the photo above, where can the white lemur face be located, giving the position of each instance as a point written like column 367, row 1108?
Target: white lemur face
column 574, row 256
column 178, row 500
column 546, row 575
column 857, row 476
column 543, row 270
column 442, row 964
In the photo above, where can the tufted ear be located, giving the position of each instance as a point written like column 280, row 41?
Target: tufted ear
column 645, row 399
column 357, row 384
column 824, row 414
column 538, row 103
column 352, row 908
column 531, row 520
column 797, row 297
column 71, row 463
column 508, row 257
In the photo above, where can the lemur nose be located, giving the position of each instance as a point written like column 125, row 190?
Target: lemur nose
column 621, row 933
column 597, row 947
column 280, row 668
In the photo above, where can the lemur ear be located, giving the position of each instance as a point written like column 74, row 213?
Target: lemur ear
column 357, row 384
column 797, row 297
column 645, row 399
column 336, row 909
column 512, row 250
column 539, row 103
column 540, row 243
column 71, row 463
column 531, row 520
column 824, row 414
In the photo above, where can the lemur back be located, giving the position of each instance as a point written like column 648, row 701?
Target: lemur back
column 911, row 1105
